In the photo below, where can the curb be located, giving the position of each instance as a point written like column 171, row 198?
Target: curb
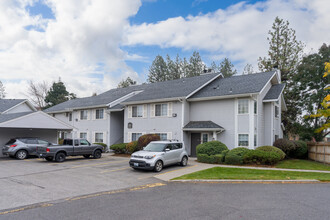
column 247, row 181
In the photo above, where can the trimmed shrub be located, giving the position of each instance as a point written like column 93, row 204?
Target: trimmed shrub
column 204, row 158
column 103, row 145
column 262, row 157
column 285, row 145
column 131, row 147
column 211, row 148
column 272, row 149
column 301, row 150
column 60, row 141
column 119, row 148
column 145, row 139
column 235, row 156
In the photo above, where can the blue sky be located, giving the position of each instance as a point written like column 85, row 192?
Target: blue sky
column 95, row 44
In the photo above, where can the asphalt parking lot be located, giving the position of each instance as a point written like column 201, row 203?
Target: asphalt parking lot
column 36, row 180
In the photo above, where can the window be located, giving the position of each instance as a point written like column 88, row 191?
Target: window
column 31, row 141
column 99, row 113
column 137, row 111
column 163, row 136
column 135, row 136
column 84, row 142
column 70, row 116
column 255, row 140
column 99, row 137
column 205, row 138
column 243, row 140
column 83, row 135
column 161, row 110
column 243, row 106
column 76, row 142
column 43, row 142
column 83, row 115
column 176, row 146
column 276, row 137
column 255, row 107
column 277, row 111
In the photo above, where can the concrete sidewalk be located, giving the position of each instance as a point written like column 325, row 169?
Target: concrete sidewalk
column 194, row 166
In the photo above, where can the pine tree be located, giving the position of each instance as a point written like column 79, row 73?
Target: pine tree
column 2, row 91
column 285, row 54
column 58, row 94
column 196, row 66
column 157, row 70
column 126, row 83
column 227, row 68
column 173, row 68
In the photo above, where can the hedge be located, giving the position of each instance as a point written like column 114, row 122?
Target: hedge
column 144, row 140
column 285, row 145
column 102, row 144
column 272, row 149
column 119, row 148
column 204, row 158
column 301, row 150
column 211, row 148
column 131, row 147
column 235, row 156
column 261, row 157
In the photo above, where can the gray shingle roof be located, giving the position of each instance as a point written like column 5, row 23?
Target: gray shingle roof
column 202, row 125
column 8, row 117
column 117, row 107
column 160, row 90
column 274, row 92
column 242, row 84
column 6, row 104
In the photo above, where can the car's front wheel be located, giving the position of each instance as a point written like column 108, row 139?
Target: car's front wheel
column 21, row 154
column 97, row 154
column 158, row 166
column 184, row 161
column 60, row 157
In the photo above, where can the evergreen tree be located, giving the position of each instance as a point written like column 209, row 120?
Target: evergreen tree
column 284, row 53
column 58, row 94
column 248, row 69
column 2, row 91
column 196, row 66
column 227, row 68
column 311, row 84
column 157, row 70
column 185, row 68
column 173, row 68
column 126, row 83
column 215, row 67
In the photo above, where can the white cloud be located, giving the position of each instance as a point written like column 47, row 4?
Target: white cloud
column 81, row 45
column 238, row 32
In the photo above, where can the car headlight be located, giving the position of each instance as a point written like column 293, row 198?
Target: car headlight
column 149, row 157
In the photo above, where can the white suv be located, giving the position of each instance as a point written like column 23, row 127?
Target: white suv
column 158, row 154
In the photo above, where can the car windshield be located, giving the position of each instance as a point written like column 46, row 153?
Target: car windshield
column 155, row 147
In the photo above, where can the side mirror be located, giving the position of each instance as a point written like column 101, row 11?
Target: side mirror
column 167, row 150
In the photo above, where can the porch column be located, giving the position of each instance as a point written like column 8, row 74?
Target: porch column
column 214, row 135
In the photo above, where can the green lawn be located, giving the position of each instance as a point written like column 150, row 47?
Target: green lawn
column 253, row 174
column 302, row 164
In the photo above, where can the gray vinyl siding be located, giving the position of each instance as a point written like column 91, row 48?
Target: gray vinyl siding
column 20, row 108
column 221, row 112
column 116, row 127
column 268, row 123
column 261, row 117
column 243, row 122
column 156, row 124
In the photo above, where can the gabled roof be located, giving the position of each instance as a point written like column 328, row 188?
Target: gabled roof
column 8, row 117
column 274, row 92
column 6, row 104
column 235, row 85
column 147, row 92
column 202, row 125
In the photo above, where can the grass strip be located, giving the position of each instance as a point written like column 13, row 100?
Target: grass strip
column 253, row 174
column 302, row 164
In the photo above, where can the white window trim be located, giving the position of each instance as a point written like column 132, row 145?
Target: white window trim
column 276, row 105
column 169, row 110
column 130, row 137
column 142, row 106
column 83, row 132
column 94, row 137
column 208, row 137
column 238, row 139
column 238, row 100
column 94, row 114
column 87, row 114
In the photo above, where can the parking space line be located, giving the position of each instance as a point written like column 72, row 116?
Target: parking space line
column 26, row 208
column 108, row 171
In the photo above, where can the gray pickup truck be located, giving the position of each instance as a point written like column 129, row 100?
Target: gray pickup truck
column 70, row 147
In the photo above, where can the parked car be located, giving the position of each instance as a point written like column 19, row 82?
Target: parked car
column 158, row 154
column 22, row 147
column 70, row 147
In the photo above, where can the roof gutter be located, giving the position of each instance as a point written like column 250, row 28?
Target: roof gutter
column 222, row 97
column 152, row 101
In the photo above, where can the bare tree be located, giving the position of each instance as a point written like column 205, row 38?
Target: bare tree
column 38, row 92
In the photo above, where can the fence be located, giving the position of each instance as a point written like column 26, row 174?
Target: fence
column 319, row 151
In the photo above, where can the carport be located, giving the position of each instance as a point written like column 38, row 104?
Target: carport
column 30, row 124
